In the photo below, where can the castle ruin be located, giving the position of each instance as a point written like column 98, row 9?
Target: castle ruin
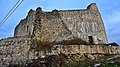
column 60, row 25
column 69, row 31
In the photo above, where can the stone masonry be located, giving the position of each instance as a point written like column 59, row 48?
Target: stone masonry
column 60, row 25
column 60, row 31
column 20, row 50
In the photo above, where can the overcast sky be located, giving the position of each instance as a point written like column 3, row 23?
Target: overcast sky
column 109, row 9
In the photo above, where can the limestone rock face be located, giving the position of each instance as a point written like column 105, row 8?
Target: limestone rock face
column 59, row 25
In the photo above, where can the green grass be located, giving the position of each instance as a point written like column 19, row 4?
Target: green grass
column 90, row 63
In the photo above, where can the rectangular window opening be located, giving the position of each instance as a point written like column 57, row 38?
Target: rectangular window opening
column 91, row 39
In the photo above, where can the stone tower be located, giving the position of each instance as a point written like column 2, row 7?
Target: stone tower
column 60, row 25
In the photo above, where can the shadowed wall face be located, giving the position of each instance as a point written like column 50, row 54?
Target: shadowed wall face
column 25, row 27
column 56, row 26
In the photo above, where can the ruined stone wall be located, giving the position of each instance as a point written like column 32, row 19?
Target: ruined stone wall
column 84, row 23
column 25, row 27
column 51, row 29
column 69, row 24
column 15, row 49
column 88, row 49
column 54, row 27
column 21, row 49
column 61, row 25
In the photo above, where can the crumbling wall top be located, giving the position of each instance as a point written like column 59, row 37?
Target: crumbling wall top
column 92, row 6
